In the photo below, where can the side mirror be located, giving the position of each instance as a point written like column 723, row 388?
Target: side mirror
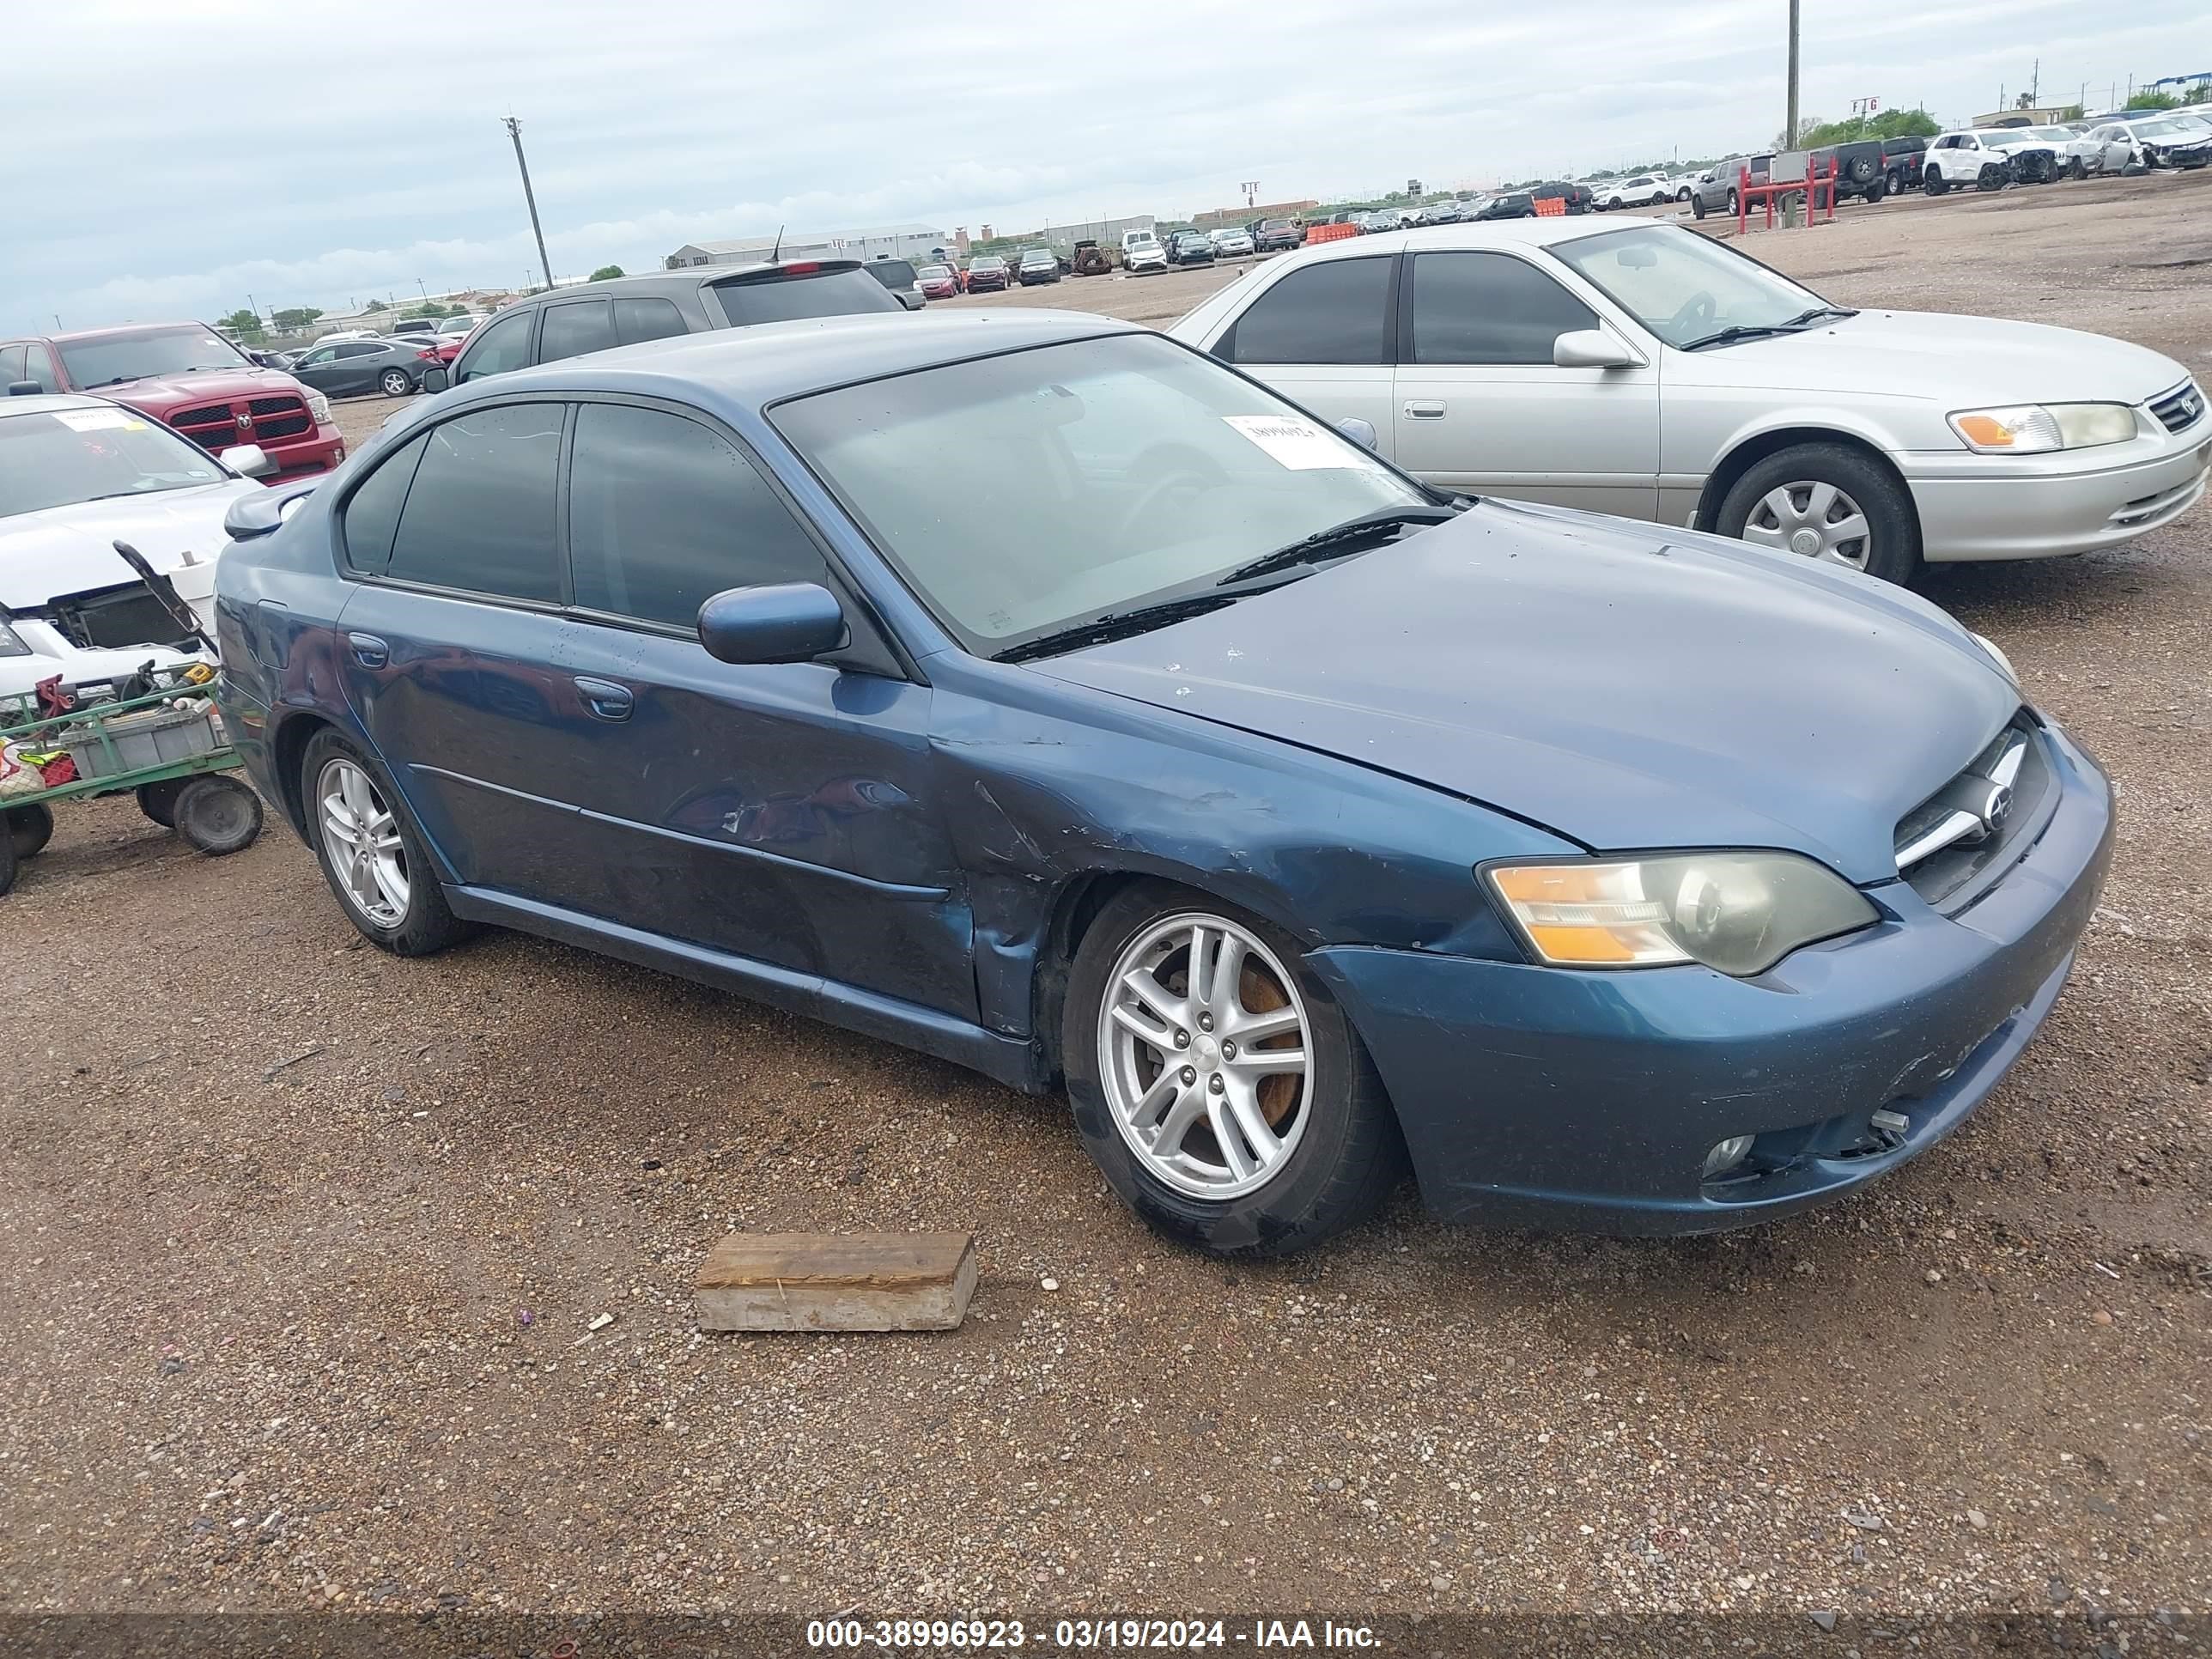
column 1360, row 432
column 24, row 388
column 250, row 460
column 909, row 298
column 1593, row 348
column 436, row 380
column 788, row 621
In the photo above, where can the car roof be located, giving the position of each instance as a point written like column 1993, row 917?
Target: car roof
column 1496, row 233
column 50, row 403
column 764, row 363
column 126, row 330
column 670, row 282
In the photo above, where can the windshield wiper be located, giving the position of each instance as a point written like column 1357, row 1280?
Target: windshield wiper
column 113, row 380
column 1755, row 330
column 1118, row 624
column 1352, row 530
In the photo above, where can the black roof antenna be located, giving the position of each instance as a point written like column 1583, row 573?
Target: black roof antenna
column 774, row 253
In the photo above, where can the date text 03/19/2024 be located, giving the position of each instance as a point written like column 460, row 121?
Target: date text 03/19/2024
column 1087, row 1635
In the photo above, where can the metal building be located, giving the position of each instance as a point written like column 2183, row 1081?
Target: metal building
column 914, row 242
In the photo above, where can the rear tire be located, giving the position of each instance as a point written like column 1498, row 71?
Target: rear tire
column 1337, row 1150
column 1733, row 204
column 1896, row 182
column 424, row 924
column 1932, row 182
column 29, row 829
column 1891, row 549
column 218, row 816
column 395, row 383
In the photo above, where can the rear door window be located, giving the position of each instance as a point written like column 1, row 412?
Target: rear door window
column 1334, row 312
column 480, row 514
column 572, row 329
column 786, row 299
column 499, row 349
column 1489, row 308
column 664, row 513
column 647, row 318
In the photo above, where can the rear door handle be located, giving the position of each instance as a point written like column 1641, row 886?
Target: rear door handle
column 1424, row 409
column 369, row 651
column 604, row 699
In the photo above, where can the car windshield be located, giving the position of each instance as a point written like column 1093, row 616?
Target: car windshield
column 1683, row 287
column 988, row 261
column 2172, row 126
column 2059, row 135
column 109, row 359
column 935, row 273
column 1091, row 478
column 57, row 457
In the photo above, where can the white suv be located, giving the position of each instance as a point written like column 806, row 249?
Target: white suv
column 1141, row 252
column 1644, row 190
column 1988, row 159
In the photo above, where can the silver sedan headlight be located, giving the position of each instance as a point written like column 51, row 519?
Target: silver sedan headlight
column 1738, row 913
column 2038, row 429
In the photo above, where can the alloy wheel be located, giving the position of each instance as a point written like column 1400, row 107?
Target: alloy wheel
column 1205, row 1054
column 1812, row 519
column 360, row 837
column 396, row 384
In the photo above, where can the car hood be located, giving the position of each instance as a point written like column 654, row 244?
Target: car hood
column 156, row 392
column 1625, row 686
column 1958, row 361
column 71, row 549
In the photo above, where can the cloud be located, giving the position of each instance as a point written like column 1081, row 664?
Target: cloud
column 189, row 158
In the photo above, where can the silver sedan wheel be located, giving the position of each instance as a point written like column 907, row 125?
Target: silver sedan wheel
column 1815, row 520
column 361, row 838
column 1205, row 1056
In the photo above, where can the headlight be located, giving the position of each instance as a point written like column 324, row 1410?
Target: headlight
column 2032, row 428
column 1737, row 913
column 319, row 407
column 2002, row 661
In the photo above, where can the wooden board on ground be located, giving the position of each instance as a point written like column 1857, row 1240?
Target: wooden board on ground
column 836, row 1282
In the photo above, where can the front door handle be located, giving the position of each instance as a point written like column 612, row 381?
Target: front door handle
column 1425, row 409
column 604, row 699
column 369, row 651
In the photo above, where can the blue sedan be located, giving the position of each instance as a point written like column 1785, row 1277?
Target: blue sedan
column 1036, row 692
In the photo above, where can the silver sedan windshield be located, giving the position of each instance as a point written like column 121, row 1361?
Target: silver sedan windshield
column 1683, row 287
column 1082, row 479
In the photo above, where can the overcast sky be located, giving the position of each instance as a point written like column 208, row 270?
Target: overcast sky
column 168, row 160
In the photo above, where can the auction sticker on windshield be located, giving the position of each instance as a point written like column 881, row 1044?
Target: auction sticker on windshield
column 99, row 419
column 1298, row 445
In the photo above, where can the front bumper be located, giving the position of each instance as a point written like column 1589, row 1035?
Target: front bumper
column 306, row 456
column 1545, row 1096
column 2039, row 507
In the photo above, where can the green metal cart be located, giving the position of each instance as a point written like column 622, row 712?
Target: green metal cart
column 177, row 761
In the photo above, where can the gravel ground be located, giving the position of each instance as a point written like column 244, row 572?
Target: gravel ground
column 314, row 1334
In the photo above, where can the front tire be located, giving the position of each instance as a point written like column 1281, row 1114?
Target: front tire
column 1828, row 502
column 395, row 383
column 1219, row 1088
column 371, row 852
column 1697, row 207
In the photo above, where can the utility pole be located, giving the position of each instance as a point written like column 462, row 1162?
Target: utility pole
column 1789, row 136
column 514, row 131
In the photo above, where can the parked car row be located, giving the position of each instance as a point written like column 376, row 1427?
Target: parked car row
column 1983, row 159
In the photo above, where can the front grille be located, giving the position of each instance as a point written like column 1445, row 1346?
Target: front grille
column 2180, row 409
column 211, row 426
column 1955, row 844
column 117, row 618
column 214, row 427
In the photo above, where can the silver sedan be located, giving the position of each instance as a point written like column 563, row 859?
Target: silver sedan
column 1641, row 369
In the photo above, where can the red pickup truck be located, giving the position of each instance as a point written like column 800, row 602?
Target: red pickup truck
column 189, row 378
